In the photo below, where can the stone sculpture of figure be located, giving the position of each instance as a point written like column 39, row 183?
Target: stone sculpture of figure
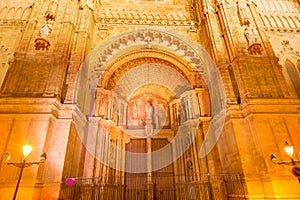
column 251, row 35
column 149, row 111
column 46, row 30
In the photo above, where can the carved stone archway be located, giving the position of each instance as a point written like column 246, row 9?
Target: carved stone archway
column 188, row 56
column 172, row 43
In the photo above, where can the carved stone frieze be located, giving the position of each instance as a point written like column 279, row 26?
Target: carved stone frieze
column 13, row 22
column 136, row 17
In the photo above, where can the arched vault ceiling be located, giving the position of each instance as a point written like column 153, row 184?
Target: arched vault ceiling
column 157, row 74
column 121, row 71
column 114, row 73
column 154, row 89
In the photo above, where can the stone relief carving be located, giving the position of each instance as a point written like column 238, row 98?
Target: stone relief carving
column 254, row 46
column 288, row 52
column 286, row 45
column 102, row 31
column 255, row 49
column 46, row 29
column 42, row 42
column 136, row 17
column 251, row 35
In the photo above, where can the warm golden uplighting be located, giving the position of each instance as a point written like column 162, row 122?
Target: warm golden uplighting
column 27, row 150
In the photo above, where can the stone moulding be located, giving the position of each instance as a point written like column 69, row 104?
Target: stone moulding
column 162, row 22
column 142, row 18
column 12, row 22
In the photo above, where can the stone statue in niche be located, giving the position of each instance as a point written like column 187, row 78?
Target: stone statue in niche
column 252, row 38
column 42, row 42
column 149, row 111
column 251, row 35
column 46, row 29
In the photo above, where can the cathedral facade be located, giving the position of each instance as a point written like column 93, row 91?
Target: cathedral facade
column 150, row 99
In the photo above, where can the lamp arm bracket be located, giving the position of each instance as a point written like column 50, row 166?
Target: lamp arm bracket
column 282, row 162
column 20, row 164
column 16, row 164
column 296, row 161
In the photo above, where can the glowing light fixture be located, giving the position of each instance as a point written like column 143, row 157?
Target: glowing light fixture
column 27, row 150
column 289, row 149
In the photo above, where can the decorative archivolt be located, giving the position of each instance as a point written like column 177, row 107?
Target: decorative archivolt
column 111, row 77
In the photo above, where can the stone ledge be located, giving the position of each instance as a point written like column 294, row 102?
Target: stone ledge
column 265, row 106
column 36, row 106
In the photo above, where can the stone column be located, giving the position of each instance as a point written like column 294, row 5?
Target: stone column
column 150, row 186
column 148, row 134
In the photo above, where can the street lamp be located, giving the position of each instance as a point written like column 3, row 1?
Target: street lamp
column 289, row 149
column 26, row 151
